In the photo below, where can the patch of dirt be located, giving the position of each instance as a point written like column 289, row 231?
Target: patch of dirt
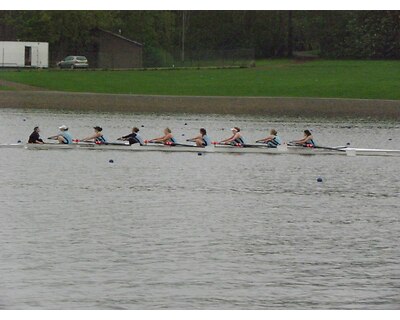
column 279, row 106
column 284, row 65
column 19, row 86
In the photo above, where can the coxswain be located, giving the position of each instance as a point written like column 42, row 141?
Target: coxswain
column 35, row 137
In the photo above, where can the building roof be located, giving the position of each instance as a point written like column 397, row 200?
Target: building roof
column 119, row 36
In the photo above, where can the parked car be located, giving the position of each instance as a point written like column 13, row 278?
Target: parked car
column 73, row 62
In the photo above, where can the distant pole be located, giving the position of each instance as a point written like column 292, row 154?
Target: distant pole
column 183, row 36
column 290, row 34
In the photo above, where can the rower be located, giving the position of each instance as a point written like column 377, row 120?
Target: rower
column 97, row 136
column 133, row 137
column 307, row 141
column 63, row 136
column 202, row 140
column 166, row 138
column 236, row 138
column 35, row 137
column 273, row 140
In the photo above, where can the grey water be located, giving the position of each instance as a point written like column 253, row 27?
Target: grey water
column 182, row 231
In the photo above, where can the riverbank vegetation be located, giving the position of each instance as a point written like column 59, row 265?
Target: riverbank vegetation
column 270, row 34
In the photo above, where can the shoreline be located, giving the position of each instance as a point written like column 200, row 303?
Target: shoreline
column 274, row 106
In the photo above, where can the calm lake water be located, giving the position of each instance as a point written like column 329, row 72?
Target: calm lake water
column 182, row 231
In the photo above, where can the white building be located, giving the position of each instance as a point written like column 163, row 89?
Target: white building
column 22, row 54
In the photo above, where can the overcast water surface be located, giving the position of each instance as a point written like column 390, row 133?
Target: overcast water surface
column 181, row 231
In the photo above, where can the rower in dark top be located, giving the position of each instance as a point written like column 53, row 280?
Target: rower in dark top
column 307, row 141
column 35, row 137
column 133, row 137
column 97, row 136
column 236, row 137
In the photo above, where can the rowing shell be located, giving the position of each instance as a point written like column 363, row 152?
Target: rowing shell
column 261, row 149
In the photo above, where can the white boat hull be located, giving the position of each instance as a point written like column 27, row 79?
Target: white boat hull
column 12, row 145
column 371, row 152
column 211, row 149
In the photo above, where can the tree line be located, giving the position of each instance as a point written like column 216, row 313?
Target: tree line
column 331, row 34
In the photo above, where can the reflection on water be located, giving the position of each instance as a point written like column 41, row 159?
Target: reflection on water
column 217, row 231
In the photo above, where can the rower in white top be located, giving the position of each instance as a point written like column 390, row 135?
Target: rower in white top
column 235, row 139
column 63, row 137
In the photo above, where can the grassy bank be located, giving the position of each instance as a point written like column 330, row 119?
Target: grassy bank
column 276, row 78
column 5, row 88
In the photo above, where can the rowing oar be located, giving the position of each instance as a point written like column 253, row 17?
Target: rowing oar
column 331, row 148
column 248, row 145
column 176, row 144
column 172, row 144
column 102, row 143
column 341, row 148
column 184, row 145
column 227, row 144
column 239, row 145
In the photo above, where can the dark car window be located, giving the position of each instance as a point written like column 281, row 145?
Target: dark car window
column 81, row 58
column 69, row 58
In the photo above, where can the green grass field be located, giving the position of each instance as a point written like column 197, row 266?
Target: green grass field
column 283, row 78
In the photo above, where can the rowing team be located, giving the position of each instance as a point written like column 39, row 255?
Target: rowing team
column 202, row 140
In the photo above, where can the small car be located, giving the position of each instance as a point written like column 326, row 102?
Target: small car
column 73, row 62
